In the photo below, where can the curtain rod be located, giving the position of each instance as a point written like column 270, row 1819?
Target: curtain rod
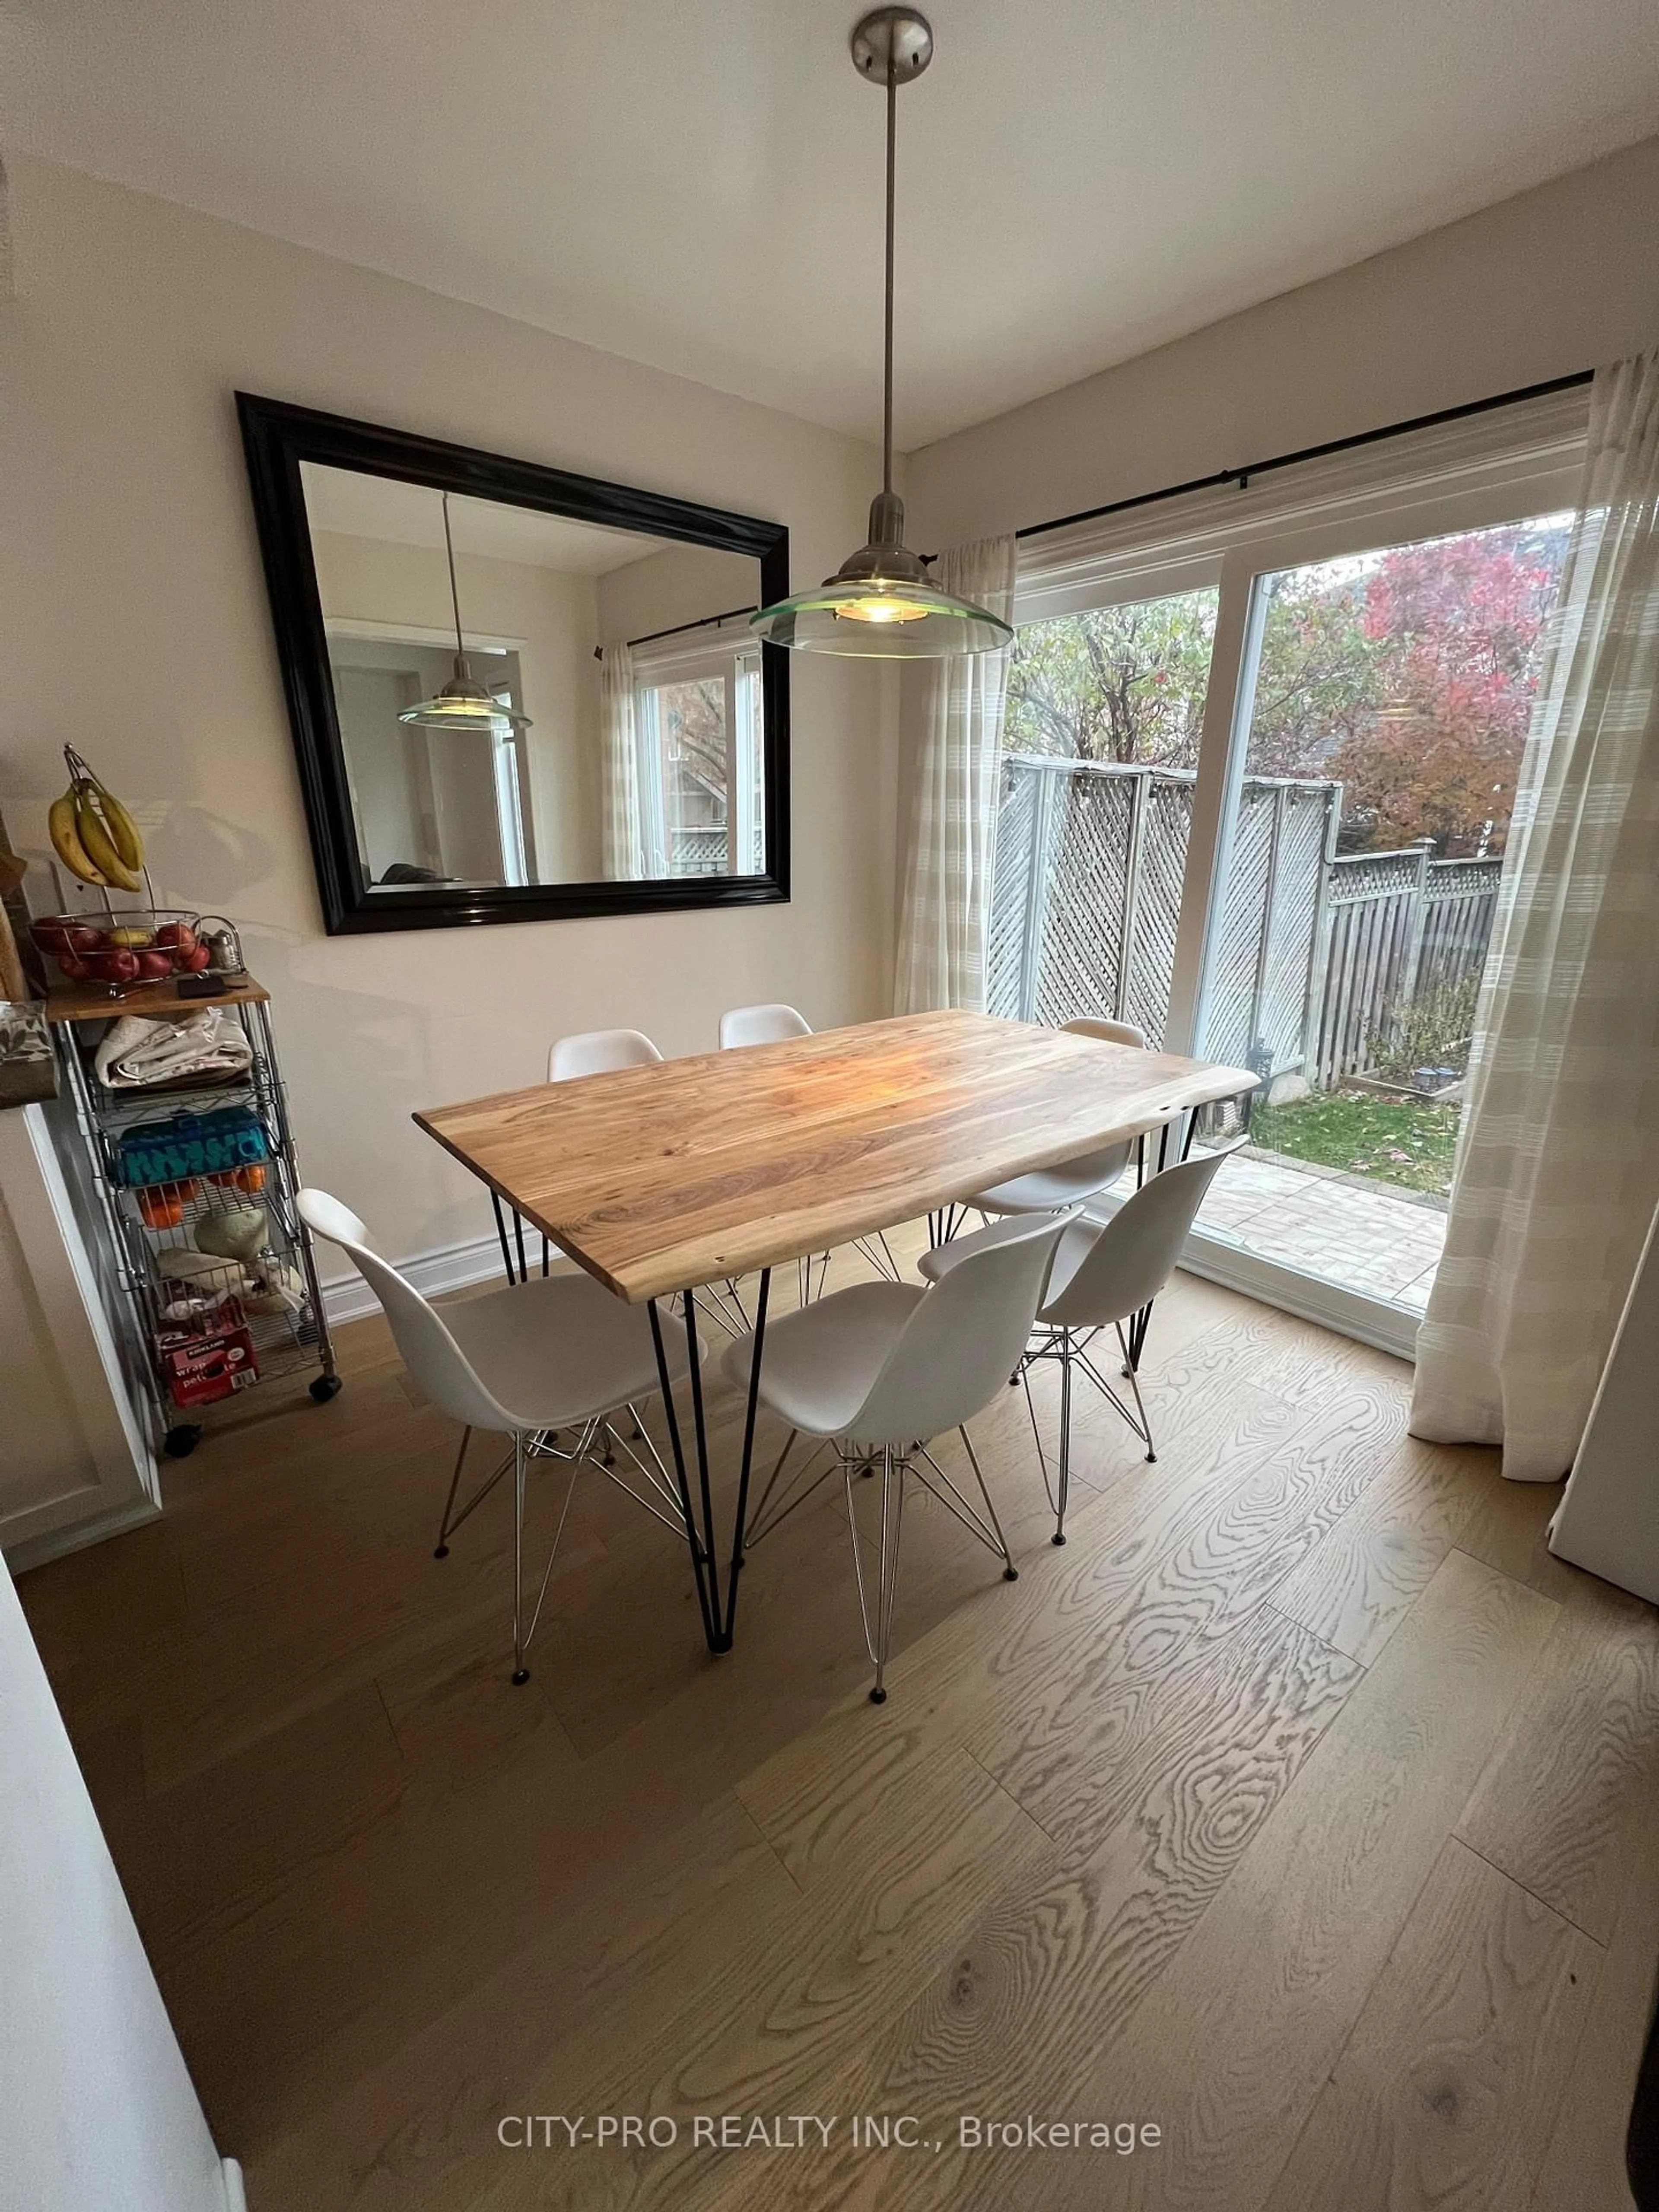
column 1241, row 476
column 703, row 622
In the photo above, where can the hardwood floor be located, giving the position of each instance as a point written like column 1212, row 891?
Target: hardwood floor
column 1302, row 1808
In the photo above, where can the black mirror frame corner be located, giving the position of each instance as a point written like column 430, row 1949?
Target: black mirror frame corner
column 276, row 437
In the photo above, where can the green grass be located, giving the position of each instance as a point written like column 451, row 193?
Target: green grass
column 1405, row 1141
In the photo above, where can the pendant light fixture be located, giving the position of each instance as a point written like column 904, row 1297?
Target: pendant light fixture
column 880, row 601
column 464, row 703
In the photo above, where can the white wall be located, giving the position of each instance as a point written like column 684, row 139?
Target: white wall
column 137, row 628
column 1551, row 282
column 97, row 2113
column 682, row 584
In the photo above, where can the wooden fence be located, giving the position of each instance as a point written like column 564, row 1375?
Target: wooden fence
column 1400, row 925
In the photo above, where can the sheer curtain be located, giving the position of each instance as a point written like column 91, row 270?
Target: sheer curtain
column 945, row 908
column 624, row 845
column 1558, row 1172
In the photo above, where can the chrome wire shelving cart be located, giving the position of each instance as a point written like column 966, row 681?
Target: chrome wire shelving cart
column 197, row 1179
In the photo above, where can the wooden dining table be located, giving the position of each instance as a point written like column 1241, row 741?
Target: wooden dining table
column 662, row 1179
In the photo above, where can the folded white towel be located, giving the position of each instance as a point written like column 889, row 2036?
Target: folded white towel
column 139, row 1052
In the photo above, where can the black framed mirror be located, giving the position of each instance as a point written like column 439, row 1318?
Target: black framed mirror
column 517, row 694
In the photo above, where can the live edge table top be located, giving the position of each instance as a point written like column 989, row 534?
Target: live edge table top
column 684, row 1172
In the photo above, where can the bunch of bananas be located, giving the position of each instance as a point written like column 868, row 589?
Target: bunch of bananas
column 93, row 834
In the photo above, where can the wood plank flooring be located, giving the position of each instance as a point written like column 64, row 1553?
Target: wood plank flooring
column 1302, row 1808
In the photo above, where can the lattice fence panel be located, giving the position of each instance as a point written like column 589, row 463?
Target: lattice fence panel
column 1088, row 880
column 1236, row 958
column 1303, row 814
column 1016, row 820
column 1168, row 826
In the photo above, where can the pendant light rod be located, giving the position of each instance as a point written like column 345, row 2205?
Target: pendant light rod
column 887, row 332
column 454, row 595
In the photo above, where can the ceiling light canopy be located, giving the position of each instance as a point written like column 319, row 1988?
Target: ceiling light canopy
column 880, row 602
column 464, row 703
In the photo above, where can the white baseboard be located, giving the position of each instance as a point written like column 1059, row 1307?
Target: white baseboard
column 57, row 1543
column 235, row 2195
column 456, row 1267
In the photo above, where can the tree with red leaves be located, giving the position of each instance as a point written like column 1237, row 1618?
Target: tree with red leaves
column 1459, row 621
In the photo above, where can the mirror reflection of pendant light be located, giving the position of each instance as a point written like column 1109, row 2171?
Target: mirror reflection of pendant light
column 464, row 703
column 880, row 601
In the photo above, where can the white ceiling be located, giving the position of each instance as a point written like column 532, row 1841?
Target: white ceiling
column 363, row 506
column 697, row 183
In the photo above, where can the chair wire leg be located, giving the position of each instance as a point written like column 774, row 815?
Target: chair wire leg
column 877, row 1638
column 1009, row 1571
column 547, row 1571
column 1064, row 1483
column 442, row 1552
column 1024, row 1380
column 893, row 1470
column 453, row 1520
column 1140, row 1405
column 521, row 1672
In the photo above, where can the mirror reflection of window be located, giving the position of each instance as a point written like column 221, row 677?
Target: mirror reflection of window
column 697, row 728
column 519, row 603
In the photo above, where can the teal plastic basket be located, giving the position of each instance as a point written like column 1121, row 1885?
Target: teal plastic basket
column 190, row 1145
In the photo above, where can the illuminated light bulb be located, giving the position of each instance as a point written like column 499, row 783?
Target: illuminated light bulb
column 880, row 607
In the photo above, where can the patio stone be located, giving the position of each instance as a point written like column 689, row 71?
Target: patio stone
column 1360, row 1236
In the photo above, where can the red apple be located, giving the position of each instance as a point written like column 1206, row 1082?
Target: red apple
column 117, row 966
column 179, row 935
column 82, row 939
column 49, row 936
column 196, row 959
column 154, row 964
column 76, row 970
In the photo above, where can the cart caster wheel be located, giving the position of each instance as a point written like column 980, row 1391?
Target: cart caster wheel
column 442, row 1552
column 1011, row 1574
column 521, row 1676
column 879, row 1697
column 324, row 1388
column 180, row 1443
column 1152, row 1458
column 1056, row 1540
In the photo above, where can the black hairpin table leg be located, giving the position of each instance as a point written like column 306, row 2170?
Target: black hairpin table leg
column 718, row 1608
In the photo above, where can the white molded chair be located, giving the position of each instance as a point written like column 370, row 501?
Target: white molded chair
column 597, row 1052
column 773, row 1023
column 767, row 1024
column 555, row 1352
column 1070, row 1181
column 883, row 1368
column 589, row 1052
column 1100, row 1278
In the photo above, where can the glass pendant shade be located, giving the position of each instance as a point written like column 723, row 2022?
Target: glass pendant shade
column 463, row 704
column 881, row 604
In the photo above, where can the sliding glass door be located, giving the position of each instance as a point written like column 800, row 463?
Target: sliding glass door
column 1255, row 795
column 1382, row 703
